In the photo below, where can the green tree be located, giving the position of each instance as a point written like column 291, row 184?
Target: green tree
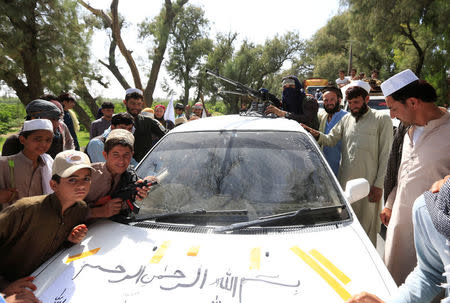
column 42, row 51
column 328, row 50
column 256, row 66
column 415, row 32
column 189, row 45
column 155, row 31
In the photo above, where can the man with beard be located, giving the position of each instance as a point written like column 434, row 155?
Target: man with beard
column 147, row 130
column 425, row 158
column 327, row 120
column 366, row 137
column 294, row 104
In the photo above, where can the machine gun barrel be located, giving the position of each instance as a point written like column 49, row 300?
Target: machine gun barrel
column 243, row 89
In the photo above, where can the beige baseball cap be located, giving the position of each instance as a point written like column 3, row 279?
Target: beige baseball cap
column 69, row 161
column 122, row 134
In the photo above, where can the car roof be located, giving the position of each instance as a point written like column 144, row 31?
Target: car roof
column 240, row 123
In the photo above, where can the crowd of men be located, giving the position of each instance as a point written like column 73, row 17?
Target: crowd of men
column 45, row 178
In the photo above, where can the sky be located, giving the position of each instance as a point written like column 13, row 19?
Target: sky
column 251, row 19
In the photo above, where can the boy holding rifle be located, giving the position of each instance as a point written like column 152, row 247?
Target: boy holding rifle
column 114, row 174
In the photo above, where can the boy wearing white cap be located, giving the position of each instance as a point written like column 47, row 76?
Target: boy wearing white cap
column 28, row 173
column 425, row 158
column 34, row 228
column 366, row 137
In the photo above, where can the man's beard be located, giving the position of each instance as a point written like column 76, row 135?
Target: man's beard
column 131, row 113
column 364, row 108
column 333, row 110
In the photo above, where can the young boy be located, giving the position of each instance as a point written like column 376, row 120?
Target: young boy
column 34, row 228
column 28, row 173
column 114, row 173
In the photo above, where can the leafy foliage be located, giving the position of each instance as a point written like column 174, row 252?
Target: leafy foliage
column 253, row 65
column 12, row 114
column 189, row 45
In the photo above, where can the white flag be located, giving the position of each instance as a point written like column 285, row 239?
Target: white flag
column 170, row 112
column 204, row 111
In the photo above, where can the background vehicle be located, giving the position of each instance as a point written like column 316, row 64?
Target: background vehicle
column 249, row 211
column 312, row 84
column 378, row 103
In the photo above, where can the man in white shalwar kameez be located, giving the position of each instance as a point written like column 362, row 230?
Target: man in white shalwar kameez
column 425, row 158
column 366, row 137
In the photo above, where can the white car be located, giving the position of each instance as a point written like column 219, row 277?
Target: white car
column 249, row 211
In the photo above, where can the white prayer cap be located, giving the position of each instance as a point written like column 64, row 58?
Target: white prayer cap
column 363, row 84
column 37, row 124
column 360, row 83
column 397, row 82
column 133, row 90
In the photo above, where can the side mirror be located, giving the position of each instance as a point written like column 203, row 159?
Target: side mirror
column 356, row 189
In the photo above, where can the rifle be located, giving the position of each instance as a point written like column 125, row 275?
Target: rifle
column 127, row 194
column 241, row 89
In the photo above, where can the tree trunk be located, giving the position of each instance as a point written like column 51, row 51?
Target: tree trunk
column 160, row 50
column 82, row 116
column 186, row 88
column 125, row 52
column 112, row 66
column 420, row 52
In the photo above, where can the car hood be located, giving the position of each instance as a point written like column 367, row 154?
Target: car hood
column 120, row 263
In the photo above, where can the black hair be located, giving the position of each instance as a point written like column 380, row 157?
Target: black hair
column 356, row 91
column 333, row 89
column 419, row 89
column 353, row 69
column 48, row 97
column 109, row 144
column 65, row 97
column 376, row 71
column 26, row 133
column 341, row 71
column 56, row 178
column 122, row 118
column 134, row 95
column 107, row 104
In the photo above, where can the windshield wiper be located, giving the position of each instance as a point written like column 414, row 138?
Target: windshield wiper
column 199, row 211
column 279, row 217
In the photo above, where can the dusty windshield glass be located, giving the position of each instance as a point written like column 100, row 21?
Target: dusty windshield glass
column 265, row 173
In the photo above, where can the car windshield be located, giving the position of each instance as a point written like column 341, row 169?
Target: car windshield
column 261, row 172
column 377, row 104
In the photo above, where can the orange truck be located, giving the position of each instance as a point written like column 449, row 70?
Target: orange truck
column 312, row 84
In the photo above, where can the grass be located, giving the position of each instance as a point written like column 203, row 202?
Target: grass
column 83, row 139
column 2, row 140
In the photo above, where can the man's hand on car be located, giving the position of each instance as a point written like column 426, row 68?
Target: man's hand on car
column 312, row 131
column 77, row 234
column 275, row 110
column 24, row 297
column 364, row 297
column 20, row 286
